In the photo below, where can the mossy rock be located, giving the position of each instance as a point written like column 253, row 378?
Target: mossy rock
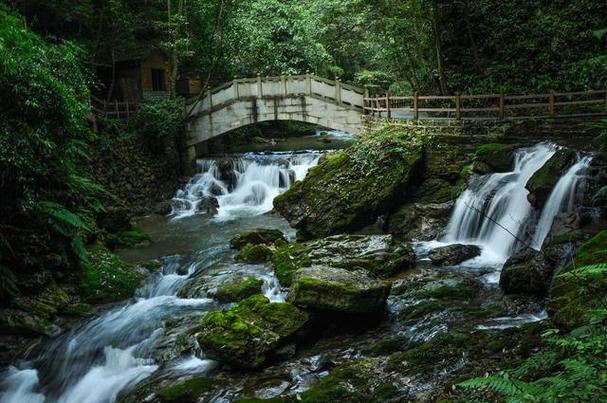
column 493, row 157
column 188, row 391
column 350, row 189
column 107, row 278
column 542, row 182
column 254, row 254
column 260, row 236
column 381, row 256
column 238, row 290
column 248, row 334
column 575, row 292
column 132, row 237
column 332, row 289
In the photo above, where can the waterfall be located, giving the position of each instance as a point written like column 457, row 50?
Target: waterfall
column 561, row 199
column 256, row 180
column 494, row 209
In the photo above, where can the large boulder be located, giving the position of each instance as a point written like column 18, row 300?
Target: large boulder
column 493, row 157
column 453, row 254
column 325, row 288
column 577, row 291
column 259, row 236
column 251, row 333
column 528, row 272
column 237, row 290
column 350, row 189
column 419, row 221
column 543, row 180
column 380, row 255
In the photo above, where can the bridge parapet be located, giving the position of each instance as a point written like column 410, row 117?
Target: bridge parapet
column 306, row 98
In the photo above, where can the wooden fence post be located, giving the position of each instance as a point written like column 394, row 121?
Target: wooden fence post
column 127, row 109
column 117, row 111
column 389, row 110
column 366, row 101
column 458, row 112
column 502, row 113
column 551, row 103
column 416, row 106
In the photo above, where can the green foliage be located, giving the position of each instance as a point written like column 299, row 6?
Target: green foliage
column 43, row 143
column 159, row 123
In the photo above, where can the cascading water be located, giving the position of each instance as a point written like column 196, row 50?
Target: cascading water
column 494, row 209
column 561, row 199
column 258, row 180
column 115, row 351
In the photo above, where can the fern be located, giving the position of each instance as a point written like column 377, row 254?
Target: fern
column 61, row 217
column 514, row 390
column 8, row 282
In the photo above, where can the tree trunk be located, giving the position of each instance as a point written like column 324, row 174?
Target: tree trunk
column 436, row 28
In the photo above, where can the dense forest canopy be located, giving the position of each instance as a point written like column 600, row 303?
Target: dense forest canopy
column 430, row 46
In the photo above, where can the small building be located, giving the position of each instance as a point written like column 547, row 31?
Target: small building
column 143, row 76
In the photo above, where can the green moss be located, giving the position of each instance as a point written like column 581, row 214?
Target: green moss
column 260, row 236
column 247, row 333
column 254, row 254
column 490, row 149
column 564, row 238
column 573, row 297
column 132, row 237
column 458, row 291
column 434, row 353
column 287, row 259
column 543, row 180
column 466, row 171
column 349, row 189
column 187, row 391
column 239, row 290
column 107, row 278
column 152, row 265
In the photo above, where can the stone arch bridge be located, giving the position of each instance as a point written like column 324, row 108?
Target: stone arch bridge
column 305, row 98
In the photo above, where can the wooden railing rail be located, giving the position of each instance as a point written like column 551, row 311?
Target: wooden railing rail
column 488, row 106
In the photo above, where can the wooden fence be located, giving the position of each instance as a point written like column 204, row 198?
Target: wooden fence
column 113, row 109
column 491, row 106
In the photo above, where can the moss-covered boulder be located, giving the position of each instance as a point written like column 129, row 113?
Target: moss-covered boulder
column 419, row 221
column 254, row 254
column 107, row 278
column 350, row 189
column 131, row 237
column 260, row 236
column 380, row 255
column 527, row 273
column 331, row 289
column 580, row 288
column 542, row 182
column 493, row 157
column 238, row 290
column 189, row 391
column 249, row 334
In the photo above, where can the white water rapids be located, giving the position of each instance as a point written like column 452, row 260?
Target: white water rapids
column 257, row 180
column 493, row 212
column 114, row 352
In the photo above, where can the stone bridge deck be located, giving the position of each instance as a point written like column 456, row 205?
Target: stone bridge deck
column 306, row 98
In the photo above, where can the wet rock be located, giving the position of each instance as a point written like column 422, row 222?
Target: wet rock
column 215, row 190
column 493, row 157
column 419, row 221
column 325, row 288
column 283, row 183
column 453, row 254
column 339, row 195
column 265, row 236
column 527, row 273
column 565, row 223
column 163, row 208
column 576, row 292
column 543, row 180
column 380, row 255
column 209, row 205
column 254, row 254
column 226, row 172
column 248, row 334
column 189, row 391
column 241, row 288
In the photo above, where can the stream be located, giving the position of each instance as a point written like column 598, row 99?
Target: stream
column 117, row 350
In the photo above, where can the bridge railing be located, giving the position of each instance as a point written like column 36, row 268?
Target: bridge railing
column 488, row 106
column 280, row 86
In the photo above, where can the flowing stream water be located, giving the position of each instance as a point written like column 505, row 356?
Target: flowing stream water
column 114, row 351
column 111, row 353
